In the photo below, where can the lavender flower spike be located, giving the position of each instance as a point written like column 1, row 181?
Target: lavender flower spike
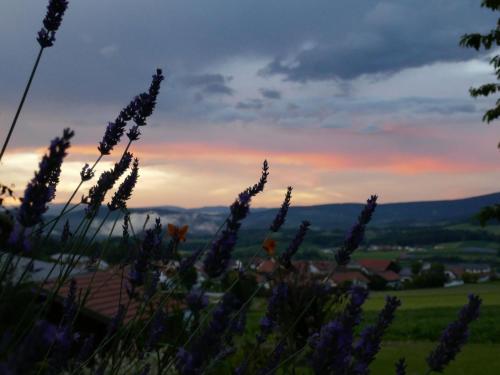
column 454, row 336
column 369, row 344
column 275, row 304
column 356, row 234
column 333, row 344
column 139, row 109
column 124, row 192
column 279, row 220
column 148, row 249
column 51, row 22
column 196, row 300
column 146, row 102
column 217, row 259
column 401, row 367
column 332, row 347
column 191, row 360
column 106, row 181
column 41, row 190
column 258, row 187
column 286, row 257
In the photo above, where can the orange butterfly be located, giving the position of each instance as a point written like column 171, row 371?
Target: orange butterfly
column 178, row 233
column 269, row 246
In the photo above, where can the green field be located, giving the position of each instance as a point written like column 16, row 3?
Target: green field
column 439, row 297
column 419, row 322
column 480, row 359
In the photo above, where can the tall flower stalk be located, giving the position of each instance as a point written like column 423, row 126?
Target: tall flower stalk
column 138, row 110
column 42, row 188
column 46, row 38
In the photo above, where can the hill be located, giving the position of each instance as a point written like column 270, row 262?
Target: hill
column 323, row 217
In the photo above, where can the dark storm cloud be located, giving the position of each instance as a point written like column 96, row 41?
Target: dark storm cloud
column 270, row 93
column 255, row 104
column 106, row 51
column 210, row 83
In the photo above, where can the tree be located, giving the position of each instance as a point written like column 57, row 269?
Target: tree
column 486, row 41
column 416, row 267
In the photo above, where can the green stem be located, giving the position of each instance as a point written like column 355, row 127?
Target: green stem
column 21, row 103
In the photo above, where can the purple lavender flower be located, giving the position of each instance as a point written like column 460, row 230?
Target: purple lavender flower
column 352, row 312
column 149, row 247
column 279, row 220
column 44, row 340
column 368, row 345
column 156, row 331
column 401, row 367
column 87, row 173
column 125, row 234
column 454, row 336
column 275, row 305
column 196, row 300
column 124, row 192
column 112, row 136
column 185, row 362
column 106, row 182
column 146, row 102
column 333, row 344
column 51, row 22
column 41, row 189
column 153, row 286
column 218, row 257
column 356, row 234
column 286, row 257
column 139, row 109
column 134, row 133
column 259, row 187
column 331, row 348
column 209, row 344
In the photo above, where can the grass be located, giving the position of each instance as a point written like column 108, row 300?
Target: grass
column 419, row 323
column 438, row 297
column 422, row 317
column 474, row 359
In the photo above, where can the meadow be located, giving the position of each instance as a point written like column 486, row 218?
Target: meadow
column 419, row 321
column 423, row 315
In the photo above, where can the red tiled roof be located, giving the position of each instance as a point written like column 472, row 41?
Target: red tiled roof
column 104, row 296
column 375, row 264
column 323, row 265
column 389, row 276
column 267, row 266
column 302, row 266
column 341, row 277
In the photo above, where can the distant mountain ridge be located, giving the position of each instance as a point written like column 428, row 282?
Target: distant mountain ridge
column 323, row 217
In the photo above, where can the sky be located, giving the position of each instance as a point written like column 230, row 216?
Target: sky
column 343, row 98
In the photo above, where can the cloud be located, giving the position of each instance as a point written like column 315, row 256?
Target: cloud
column 209, row 83
column 255, row 104
column 109, row 51
column 270, row 93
